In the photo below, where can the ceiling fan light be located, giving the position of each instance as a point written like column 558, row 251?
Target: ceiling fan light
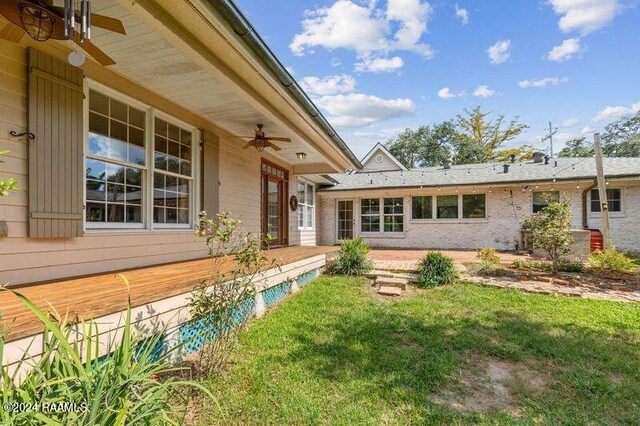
column 36, row 21
column 260, row 145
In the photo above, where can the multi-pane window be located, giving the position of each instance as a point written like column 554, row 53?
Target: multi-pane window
column 306, row 205
column 543, row 198
column 120, row 176
column 422, row 207
column 614, row 199
column 115, row 161
column 393, row 214
column 172, row 175
column 473, row 206
column 447, row 206
column 370, row 215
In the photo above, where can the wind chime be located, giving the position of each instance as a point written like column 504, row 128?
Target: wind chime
column 82, row 21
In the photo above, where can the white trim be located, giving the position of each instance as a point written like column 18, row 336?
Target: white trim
column 381, row 147
column 147, row 171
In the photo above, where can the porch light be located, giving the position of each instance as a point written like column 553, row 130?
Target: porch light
column 301, row 155
column 260, row 145
column 36, row 21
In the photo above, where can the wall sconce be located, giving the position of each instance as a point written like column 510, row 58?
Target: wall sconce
column 301, row 155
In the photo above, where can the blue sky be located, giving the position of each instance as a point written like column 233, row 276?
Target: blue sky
column 377, row 67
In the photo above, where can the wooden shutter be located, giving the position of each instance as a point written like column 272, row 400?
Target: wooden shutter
column 55, row 155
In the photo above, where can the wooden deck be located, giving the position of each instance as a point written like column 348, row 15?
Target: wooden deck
column 102, row 294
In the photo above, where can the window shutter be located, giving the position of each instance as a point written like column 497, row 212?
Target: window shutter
column 55, row 155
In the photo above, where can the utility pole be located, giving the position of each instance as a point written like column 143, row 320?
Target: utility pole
column 602, row 191
column 550, row 137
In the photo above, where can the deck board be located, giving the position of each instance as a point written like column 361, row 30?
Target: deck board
column 103, row 294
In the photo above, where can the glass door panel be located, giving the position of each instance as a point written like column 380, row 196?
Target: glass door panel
column 345, row 219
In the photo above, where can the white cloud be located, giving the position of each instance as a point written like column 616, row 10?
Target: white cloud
column 611, row 113
column 484, row 91
column 463, row 14
column 571, row 122
column 446, row 93
column 290, row 70
column 366, row 29
column 359, row 110
column 380, row 134
column 585, row 16
column 328, row 85
column 500, row 51
column 543, row 82
column 379, row 64
column 565, row 50
column 587, row 131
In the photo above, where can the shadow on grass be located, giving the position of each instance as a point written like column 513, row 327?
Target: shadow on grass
column 389, row 354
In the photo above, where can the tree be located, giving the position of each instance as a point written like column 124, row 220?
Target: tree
column 551, row 230
column 482, row 136
column 8, row 184
column 524, row 152
column 578, row 147
column 424, row 146
column 622, row 137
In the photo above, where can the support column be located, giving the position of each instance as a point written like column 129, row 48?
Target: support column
column 294, row 286
column 260, row 306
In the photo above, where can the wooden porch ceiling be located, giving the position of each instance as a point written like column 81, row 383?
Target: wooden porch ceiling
column 98, row 295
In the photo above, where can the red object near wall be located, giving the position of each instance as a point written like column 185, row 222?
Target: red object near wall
column 597, row 240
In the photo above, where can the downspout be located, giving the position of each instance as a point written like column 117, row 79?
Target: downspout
column 243, row 28
column 585, row 215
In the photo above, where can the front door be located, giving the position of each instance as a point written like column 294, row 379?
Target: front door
column 345, row 220
column 274, row 184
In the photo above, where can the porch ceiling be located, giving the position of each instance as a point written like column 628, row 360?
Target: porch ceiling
column 148, row 58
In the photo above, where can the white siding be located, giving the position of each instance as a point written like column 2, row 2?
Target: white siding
column 372, row 165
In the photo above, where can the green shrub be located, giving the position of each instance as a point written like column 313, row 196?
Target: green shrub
column 532, row 265
column 575, row 266
column 610, row 259
column 436, row 269
column 122, row 387
column 488, row 255
column 483, row 267
column 352, row 259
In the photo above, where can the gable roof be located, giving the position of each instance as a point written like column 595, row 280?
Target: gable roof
column 379, row 147
column 560, row 169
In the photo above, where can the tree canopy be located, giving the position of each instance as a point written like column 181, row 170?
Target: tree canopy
column 473, row 137
column 621, row 138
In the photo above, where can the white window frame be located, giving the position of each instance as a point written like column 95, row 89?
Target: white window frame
column 381, row 216
column 460, row 218
column 303, row 206
column 148, row 170
column 611, row 213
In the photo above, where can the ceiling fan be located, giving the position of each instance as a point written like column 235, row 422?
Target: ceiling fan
column 42, row 20
column 260, row 141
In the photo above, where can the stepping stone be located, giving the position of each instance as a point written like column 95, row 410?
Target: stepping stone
column 392, row 282
column 390, row 291
column 375, row 274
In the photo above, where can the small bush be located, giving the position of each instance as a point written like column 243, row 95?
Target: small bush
column 483, row 267
column 576, row 266
column 436, row 269
column 532, row 265
column 610, row 259
column 488, row 255
column 352, row 259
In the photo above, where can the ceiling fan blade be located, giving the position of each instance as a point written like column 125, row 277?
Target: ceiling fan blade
column 100, row 21
column 93, row 50
column 248, row 145
column 12, row 33
column 275, row 138
column 274, row 146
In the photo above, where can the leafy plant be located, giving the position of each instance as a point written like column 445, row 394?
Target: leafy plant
column 435, row 269
column 551, row 230
column 9, row 184
column 488, row 255
column 610, row 259
column 222, row 303
column 352, row 258
column 532, row 265
column 575, row 266
column 121, row 387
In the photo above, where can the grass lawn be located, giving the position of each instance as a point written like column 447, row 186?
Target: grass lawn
column 337, row 354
